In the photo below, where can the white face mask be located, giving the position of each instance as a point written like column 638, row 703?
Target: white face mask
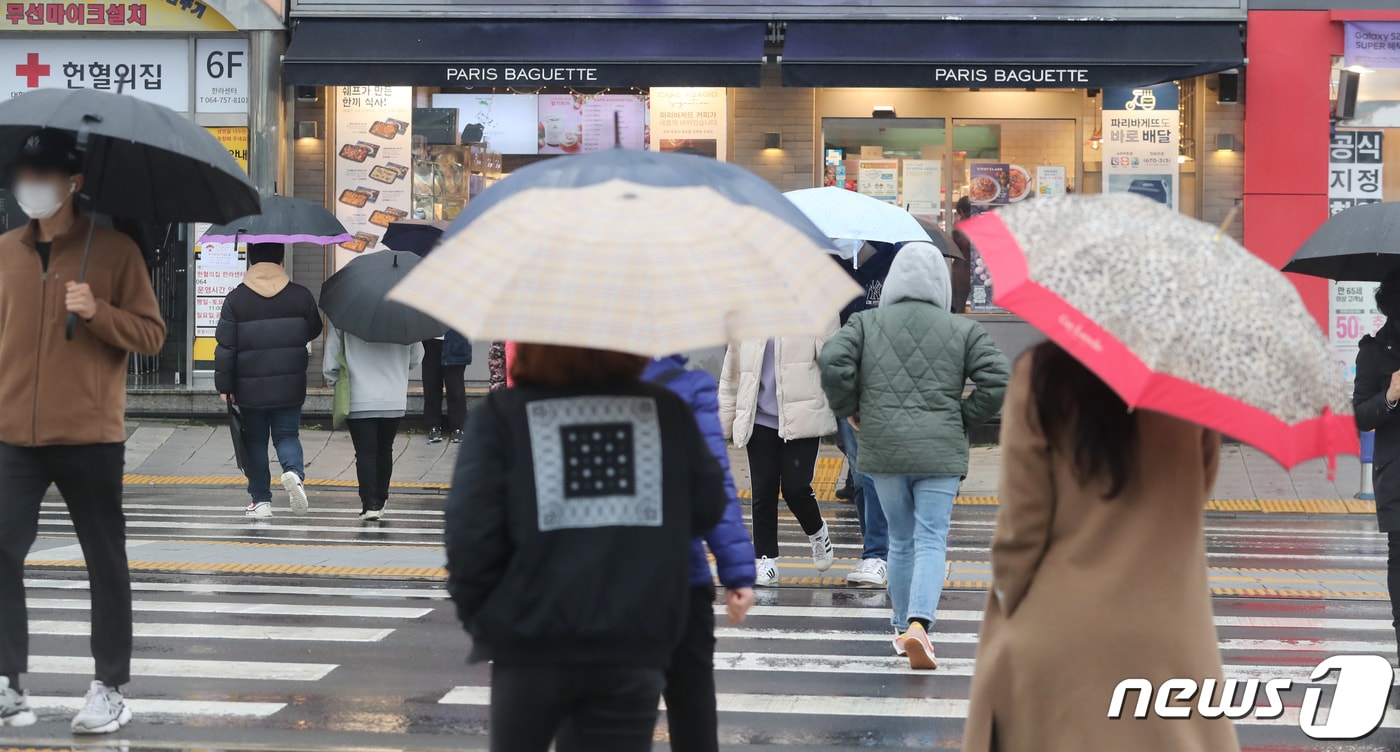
column 41, row 200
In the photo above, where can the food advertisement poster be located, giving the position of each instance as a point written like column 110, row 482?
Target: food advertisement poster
column 989, row 183
column 690, row 120
column 923, row 185
column 1050, row 181
column 373, row 164
column 1142, row 142
column 879, row 178
column 578, row 123
column 1351, row 306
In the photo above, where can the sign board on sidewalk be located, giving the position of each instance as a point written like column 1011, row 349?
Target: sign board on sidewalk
column 156, row 70
column 221, row 75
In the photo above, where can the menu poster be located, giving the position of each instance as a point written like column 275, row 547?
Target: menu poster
column 1142, row 142
column 218, row 268
column 923, row 183
column 690, row 120
column 1050, row 181
column 373, row 164
column 990, row 184
column 1356, row 171
column 879, row 178
column 577, row 123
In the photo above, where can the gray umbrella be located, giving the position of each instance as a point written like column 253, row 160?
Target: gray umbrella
column 283, row 220
column 1362, row 244
column 354, row 299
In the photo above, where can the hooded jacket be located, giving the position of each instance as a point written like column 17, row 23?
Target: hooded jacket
column 569, row 522
column 1376, row 359
column 802, row 409
column 729, row 541
column 263, row 331
column 870, row 275
column 57, row 392
column 904, row 368
column 456, row 350
column 378, row 373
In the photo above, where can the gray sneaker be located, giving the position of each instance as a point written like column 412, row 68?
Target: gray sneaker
column 103, row 712
column 14, row 706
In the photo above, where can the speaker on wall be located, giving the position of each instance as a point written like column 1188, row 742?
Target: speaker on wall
column 1229, row 88
column 1347, row 84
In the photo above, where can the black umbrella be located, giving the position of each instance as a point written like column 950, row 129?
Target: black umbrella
column 355, row 300
column 1362, row 244
column 416, row 236
column 283, row 220
column 941, row 241
column 141, row 161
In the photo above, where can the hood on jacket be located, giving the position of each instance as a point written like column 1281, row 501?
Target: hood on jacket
column 266, row 279
column 918, row 273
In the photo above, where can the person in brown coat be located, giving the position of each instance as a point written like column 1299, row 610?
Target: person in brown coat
column 62, row 422
column 1098, row 571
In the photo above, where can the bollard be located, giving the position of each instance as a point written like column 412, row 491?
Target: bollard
column 1368, row 451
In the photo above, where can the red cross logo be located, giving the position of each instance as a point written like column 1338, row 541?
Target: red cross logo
column 32, row 71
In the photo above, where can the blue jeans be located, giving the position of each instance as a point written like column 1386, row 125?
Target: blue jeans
column 874, row 531
column 282, row 424
column 919, row 509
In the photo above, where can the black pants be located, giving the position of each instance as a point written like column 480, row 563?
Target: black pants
column 436, row 377
column 374, row 457
column 90, row 479
column 788, row 466
column 607, row 709
column 690, row 682
column 1393, row 581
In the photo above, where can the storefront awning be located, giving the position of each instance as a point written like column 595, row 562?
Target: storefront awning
column 566, row 53
column 972, row 54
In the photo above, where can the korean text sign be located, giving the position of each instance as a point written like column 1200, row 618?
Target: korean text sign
column 1142, row 142
column 156, row 70
column 1356, row 178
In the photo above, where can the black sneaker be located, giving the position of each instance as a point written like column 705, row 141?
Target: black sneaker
column 846, row 493
column 457, row 436
column 435, row 436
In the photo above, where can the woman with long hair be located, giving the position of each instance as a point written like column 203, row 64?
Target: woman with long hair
column 1098, row 571
column 568, row 531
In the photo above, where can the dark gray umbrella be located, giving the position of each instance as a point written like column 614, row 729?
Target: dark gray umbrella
column 1362, row 244
column 941, row 241
column 355, row 301
column 141, row 161
column 283, row 220
column 417, row 236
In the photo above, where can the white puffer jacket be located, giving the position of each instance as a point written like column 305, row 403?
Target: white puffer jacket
column 802, row 409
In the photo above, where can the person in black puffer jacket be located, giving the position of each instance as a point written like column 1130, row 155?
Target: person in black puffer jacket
column 260, row 365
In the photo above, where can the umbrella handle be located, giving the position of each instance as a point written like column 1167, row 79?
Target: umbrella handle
column 72, row 326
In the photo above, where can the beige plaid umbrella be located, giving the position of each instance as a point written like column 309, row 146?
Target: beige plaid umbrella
column 623, row 266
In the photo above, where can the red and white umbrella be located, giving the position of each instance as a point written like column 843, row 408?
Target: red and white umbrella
column 1174, row 317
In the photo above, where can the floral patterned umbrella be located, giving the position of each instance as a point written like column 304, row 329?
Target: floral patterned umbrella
column 1174, row 317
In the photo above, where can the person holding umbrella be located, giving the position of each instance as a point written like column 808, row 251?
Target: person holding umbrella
column 63, row 421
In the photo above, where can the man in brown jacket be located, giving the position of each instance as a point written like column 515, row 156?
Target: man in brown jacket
column 64, row 402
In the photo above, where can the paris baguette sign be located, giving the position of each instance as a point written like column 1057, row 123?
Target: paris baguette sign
column 1357, row 708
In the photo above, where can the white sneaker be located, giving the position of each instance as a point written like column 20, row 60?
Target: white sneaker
column 296, row 492
column 259, row 509
column 372, row 515
column 823, row 553
column 871, row 572
column 103, row 712
column 14, row 706
column 767, row 572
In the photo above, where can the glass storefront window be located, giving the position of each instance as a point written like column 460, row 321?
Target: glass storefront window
column 997, row 162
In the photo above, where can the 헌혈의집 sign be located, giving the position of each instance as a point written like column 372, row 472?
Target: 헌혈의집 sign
column 156, row 70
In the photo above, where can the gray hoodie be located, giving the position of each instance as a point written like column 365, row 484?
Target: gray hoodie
column 378, row 373
column 919, row 272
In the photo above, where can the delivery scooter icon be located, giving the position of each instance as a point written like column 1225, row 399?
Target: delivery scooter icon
column 1143, row 99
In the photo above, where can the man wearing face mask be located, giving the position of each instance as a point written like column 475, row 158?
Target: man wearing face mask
column 62, row 421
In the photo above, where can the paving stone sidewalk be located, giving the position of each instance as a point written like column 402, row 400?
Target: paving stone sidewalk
column 165, row 453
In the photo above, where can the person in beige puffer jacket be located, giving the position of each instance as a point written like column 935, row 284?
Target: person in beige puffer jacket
column 771, row 404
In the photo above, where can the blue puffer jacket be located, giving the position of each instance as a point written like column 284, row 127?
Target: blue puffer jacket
column 729, row 541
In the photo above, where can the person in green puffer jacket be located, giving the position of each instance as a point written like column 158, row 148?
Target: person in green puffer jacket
column 899, row 374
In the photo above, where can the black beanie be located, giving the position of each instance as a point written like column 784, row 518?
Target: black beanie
column 266, row 253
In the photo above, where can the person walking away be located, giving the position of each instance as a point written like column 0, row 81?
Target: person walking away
column 871, row 272
column 771, row 404
column 260, row 365
column 1376, row 398
column 445, row 362
column 1098, row 570
column 899, row 373
column 378, row 373
column 962, row 267
column 63, row 422
column 563, row 484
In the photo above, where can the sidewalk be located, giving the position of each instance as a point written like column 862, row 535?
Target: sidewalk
column 161, row 453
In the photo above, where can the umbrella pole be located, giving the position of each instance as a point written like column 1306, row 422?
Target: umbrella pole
column 72, row 325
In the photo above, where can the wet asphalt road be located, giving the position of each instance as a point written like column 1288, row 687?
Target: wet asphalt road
column 274, row 662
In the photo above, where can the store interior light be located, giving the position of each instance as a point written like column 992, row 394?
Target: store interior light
column 1227, row 142
column 883, row 111
column 773, row 140
column 1096, row 140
